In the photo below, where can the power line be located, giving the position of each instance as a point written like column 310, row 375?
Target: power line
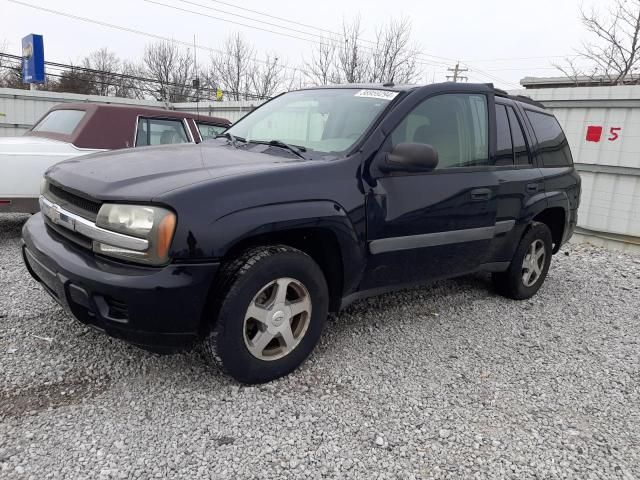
column 417, row 53
column 230, row 21
column 320, row 39
column 187, row 44
column 64, row 67
column 137, row 32
column 277, row 17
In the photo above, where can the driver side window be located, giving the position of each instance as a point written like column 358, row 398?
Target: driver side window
column 456, row 125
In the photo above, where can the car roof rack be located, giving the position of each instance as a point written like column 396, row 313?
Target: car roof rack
column 518, row 98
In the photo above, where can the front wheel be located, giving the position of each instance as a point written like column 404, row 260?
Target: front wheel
column 529, row 265
column 271, row 304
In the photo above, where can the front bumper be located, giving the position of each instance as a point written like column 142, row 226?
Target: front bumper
column 157, row 308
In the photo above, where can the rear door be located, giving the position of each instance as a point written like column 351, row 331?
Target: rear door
column 435, row 224
column 519, row 180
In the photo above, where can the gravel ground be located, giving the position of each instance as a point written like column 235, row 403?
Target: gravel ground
column 445, row 381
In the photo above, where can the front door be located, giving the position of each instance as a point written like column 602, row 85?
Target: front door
column 439, row 223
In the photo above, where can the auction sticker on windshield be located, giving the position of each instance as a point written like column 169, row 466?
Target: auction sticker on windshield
column 381, row 94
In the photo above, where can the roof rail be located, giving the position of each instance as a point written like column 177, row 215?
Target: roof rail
column 518, row 98
column 529, row 100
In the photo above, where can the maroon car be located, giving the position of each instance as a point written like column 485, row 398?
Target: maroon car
column 108, row 126
column 70, row 130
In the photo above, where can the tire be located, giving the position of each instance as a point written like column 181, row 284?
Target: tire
column 522, row 281
column 257, row 278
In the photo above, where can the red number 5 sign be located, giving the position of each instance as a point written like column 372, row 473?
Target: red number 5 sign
column 594, row 133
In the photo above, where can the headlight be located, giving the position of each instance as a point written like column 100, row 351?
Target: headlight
column 154, row 224
column 43, row 186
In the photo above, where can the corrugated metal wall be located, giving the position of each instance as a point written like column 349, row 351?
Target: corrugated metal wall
column 602, row 125
column 20, row 109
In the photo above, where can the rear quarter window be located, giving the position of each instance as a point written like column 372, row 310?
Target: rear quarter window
column 60, row 121
column 552, row 143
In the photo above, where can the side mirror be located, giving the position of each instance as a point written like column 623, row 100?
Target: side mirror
column 411, row 157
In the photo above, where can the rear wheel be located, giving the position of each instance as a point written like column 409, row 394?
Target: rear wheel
column 529, row 265
column 271, row 304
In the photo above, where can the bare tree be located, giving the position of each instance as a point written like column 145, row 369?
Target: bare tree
column 267, row 77
column 128, row 84
column 613, row 53
column 321, row 70
column 394, row 58
column 4, row 63
column 233, row 68
column 353, row 59
column 105, row 64
column 10, row 70
column 348, row 58
column 171, row 69
column 575, row 72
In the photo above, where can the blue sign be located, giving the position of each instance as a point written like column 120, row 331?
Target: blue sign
column 32, row 59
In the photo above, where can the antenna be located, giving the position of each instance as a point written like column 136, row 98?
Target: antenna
column 196, row 81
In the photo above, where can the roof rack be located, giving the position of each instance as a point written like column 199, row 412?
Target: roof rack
column 519, row 98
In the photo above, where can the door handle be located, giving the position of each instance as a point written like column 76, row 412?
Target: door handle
column 480, row 194
column 532, row 187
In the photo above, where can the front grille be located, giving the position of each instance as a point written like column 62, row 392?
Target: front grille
column 74, row 203
column 71, row 235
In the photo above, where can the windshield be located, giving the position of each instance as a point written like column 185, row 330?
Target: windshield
column 323, row 120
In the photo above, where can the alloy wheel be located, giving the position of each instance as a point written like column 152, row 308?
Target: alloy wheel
column 277, row 319
column 533, row 263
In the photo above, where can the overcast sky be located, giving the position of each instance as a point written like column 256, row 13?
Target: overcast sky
column 502, row 41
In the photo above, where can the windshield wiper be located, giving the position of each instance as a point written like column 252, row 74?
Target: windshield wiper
column 232, row 138
column 295, row 149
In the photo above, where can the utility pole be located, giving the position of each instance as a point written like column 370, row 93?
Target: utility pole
column 456, row 77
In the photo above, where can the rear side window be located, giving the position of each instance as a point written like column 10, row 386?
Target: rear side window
column 155, row 131
column 519, row 143
column 552, row 144
column 504, row 147
column 456, row 125
column 60, row 121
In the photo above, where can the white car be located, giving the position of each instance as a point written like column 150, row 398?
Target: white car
column 70, row 130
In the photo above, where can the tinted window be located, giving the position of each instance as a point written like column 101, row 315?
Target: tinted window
column 519, row 143
column 154, row 131
column 504, row 147
column 60, row 121
column 552, row 144
column 455, row 124
column 208, row 131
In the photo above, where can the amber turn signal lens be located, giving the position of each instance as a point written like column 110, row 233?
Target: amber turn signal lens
column 165, row 235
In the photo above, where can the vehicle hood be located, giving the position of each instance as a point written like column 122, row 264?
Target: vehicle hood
column 144, row 173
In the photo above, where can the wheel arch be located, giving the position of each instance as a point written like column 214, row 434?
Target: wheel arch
column 555, row 218
column 321, row 229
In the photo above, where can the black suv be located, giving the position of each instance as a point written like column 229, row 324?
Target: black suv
column 317, row 198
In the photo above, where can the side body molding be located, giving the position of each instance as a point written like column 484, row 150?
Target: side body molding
column 439, row 238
